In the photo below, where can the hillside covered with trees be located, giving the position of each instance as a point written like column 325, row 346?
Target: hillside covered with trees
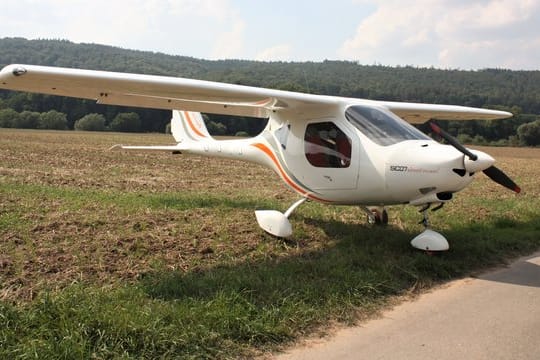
column 516, row 91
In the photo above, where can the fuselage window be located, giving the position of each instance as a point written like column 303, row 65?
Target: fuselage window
column 326, row 145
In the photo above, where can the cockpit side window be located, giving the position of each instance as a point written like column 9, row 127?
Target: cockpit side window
column 326, row 145
column 383, row 127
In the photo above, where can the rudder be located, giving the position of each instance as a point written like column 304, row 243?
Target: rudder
column 188, row 126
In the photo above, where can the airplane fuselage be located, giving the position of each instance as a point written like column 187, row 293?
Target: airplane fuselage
column 309, row 156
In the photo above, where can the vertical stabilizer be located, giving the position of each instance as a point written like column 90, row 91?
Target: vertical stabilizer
column 188, row 126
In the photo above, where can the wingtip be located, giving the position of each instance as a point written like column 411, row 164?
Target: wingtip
column 505, row 114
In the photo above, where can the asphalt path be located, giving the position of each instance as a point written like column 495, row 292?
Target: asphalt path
column 493, row 316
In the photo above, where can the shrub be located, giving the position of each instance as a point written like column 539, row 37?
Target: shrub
column 465, row 139
column 53, row 120
column 28, row 120
column 126, row 122
column 91, row 122
column 8, row 117
column 216, row 128
column 529, row 133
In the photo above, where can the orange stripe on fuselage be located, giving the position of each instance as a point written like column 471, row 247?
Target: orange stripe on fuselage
column 284, row 176
column 192, row 126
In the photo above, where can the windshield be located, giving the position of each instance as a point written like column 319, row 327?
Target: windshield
column 383, row 127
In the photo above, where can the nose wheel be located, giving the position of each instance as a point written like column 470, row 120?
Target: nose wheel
column 429, row 240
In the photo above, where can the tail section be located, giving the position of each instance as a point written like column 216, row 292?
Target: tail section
column 188, row 126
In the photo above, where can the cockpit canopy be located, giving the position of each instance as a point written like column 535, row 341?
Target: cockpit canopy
column 382, row 126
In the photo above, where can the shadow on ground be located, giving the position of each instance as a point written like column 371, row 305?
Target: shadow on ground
column 529, row 273
column 364, row 265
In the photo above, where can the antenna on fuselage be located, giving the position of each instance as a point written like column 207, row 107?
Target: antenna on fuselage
column 307, row 83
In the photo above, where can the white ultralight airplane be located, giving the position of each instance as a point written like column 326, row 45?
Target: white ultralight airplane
column 334, row 150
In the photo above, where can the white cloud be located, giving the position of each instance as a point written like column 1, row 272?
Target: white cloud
column 444, row 33
column 280, row 52
column 422, row 37
column 230, row 44
column 185, row 27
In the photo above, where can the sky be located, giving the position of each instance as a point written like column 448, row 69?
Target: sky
column 448, row 34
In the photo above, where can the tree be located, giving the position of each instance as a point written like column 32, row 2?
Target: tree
column 8, row 117
column 516, row 91
column 126, row 122
column 53, row 120
column 529, row 133
column 90, row 122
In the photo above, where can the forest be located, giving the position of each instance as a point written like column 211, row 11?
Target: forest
column 515, row 91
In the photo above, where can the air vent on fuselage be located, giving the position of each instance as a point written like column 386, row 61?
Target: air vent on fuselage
column 444, row 196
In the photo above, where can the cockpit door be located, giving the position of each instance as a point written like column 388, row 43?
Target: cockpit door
column 322, row 154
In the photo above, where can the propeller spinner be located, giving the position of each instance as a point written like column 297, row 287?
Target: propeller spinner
column 492, row 172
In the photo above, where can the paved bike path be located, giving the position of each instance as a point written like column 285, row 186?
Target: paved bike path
column 494, row 316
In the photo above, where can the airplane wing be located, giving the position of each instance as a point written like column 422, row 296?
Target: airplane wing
column 415, row 113
column 159, row 92
column 163, row 92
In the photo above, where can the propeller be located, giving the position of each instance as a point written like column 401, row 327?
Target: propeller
column 452, row 141
column 492, row 172
column 499, row 177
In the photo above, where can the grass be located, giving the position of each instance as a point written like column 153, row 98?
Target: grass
column 114, row 255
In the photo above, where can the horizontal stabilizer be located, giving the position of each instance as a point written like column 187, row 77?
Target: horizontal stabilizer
column 172, row 148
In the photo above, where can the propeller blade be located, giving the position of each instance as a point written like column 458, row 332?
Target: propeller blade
column 452, row 141
column 501, row 178
column 492, row 172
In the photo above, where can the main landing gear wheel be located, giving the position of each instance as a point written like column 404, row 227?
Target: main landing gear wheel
column 277, row 223
column 377, row 216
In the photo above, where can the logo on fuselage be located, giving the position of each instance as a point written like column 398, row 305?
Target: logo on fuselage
column 398, row 168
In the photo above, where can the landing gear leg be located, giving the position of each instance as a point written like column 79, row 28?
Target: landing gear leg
column 376, row 215
column 424, row 211
column 425, row 219
column 429, row 240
